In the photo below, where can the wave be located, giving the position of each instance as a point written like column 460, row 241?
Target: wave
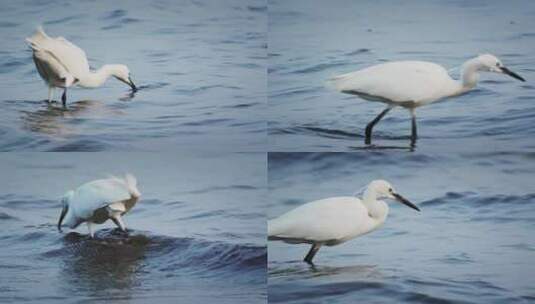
column 323, row 132
column 318, row 68
column 172, row 256
column 305, row 284
column 338, row 160
column 6, row 217
column 473, row 199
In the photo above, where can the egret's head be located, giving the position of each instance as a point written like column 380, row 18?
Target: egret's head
column 383, row 189
column 122, row 73
column 65, row 200
column 490, row 63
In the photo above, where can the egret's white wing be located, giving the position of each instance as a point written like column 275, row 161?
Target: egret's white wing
column 97, row 194
column 335, row 218
column 49, row 67
column 398, row 82
column 69, row 55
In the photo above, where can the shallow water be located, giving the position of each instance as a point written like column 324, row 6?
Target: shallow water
column 472, row 242
column 194, row 235
column 311, row 41
column 200, row 67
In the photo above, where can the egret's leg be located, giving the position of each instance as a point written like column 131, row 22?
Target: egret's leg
column 90, row 227
column 64, row 97
column 50, row 92
column 414, row 133
column 118, row 220
column 311, row 253
column 369, row 127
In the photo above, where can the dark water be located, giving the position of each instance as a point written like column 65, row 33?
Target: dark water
column 473, row 242
column 194, row 235
column 311, row 41
column 200, row 66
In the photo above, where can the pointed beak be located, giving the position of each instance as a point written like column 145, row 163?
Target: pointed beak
column 405, row 201
column 131, row 84
column 63, row 212
column 511, row 73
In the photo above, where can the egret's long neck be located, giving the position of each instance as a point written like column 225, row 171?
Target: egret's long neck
column 375, row 209
column 97, row 78
column 470, row 74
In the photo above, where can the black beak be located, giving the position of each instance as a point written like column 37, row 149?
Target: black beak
column 511, row 73
column 63, row 212
column 132, row 85
column 405, row 201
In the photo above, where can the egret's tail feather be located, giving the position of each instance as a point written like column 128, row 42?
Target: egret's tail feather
column 339, row 83
column 331, row 83
column 131, row 183
column 37, row 38
column 269, row 232
column 273, row 229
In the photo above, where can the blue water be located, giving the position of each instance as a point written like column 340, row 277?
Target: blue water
column 200, row 66
column 311, row 41
column 194, row 236
column 472, row 242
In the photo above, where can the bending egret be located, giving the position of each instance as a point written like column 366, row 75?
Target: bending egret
column 97, row 201
column 62, row 64
column 335, row 220
column 411, row 84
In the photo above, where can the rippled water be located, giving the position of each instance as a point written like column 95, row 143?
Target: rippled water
column 473, row 241
column 194, row 235
column 311, row 41
column 200, row 66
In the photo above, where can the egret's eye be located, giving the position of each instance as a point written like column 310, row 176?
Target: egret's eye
column 497, row 64
column 390, row 190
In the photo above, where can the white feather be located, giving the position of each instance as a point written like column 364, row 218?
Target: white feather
column 111, row 192
column 72, row 58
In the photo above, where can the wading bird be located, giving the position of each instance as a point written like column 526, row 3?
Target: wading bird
column 335, row 220
column 97, row 201
column 62, row 64
column 411, row 84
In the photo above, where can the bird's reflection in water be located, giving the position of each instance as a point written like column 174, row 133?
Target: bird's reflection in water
column 305, row 271
column 107, row 266
column 129, row 96
column 356, row 271
column 410, row 148
column 56, row 120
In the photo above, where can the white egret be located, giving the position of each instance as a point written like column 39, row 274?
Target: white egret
column 97, row 201
column 411, row 84
column 335, row 220
column 62, row 64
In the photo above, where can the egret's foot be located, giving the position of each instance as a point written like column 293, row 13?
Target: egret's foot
column 414, row 132
column 313, row 267
column 369, row 127
column 311, row 253
column 413, row 138
column 64, row 98
column 368, row 133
